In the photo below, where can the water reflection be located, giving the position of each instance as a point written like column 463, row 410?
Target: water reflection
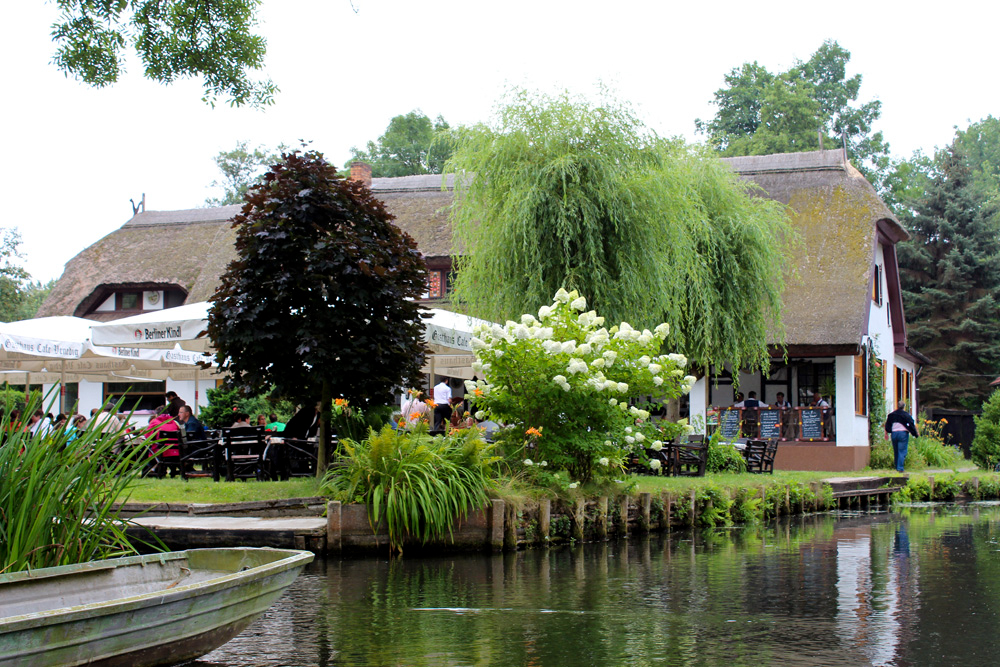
column 918, row 587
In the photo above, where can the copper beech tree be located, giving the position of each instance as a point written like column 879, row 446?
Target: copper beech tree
column 321, row 301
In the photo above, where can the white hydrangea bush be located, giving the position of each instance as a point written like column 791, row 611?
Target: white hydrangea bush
column 567, row 374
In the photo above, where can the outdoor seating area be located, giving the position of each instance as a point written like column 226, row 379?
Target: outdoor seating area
column 689, row 457
column 685, row 458
column 232, row 454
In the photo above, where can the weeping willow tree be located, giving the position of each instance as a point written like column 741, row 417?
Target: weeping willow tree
column 561, row 192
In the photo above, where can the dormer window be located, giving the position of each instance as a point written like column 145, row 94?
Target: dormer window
column 113, row 301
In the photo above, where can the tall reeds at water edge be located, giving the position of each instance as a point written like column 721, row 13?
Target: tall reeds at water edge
column 57, row 494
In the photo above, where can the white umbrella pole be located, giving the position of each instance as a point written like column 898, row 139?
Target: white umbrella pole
column 62, row 387
column 196, row 369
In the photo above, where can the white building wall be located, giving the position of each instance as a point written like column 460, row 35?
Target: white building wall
column 91, row 396
column 699, row 404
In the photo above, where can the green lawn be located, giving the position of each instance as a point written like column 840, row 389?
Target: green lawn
column 206, row 491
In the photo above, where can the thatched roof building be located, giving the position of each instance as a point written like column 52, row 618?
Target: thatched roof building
column 841, row 220
column 181, row 254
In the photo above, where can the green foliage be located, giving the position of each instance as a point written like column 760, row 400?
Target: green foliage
column 747, row 507
column 760, row 113
column 174, row 40
column 946, row 488
column 219, row 411
column 410, row 145
column 723, row 456
column 930, row 446
column 321, row 300
column 980, row 144
column 877, row 413
column 58, row 496
column 881, row 455
column 414, row 485
column 950, row 286
column 565, row 381
column 714, row 505
column 354, row 423
column 11, row 399
column 986, row 444
column 242, row 167
column 571, row 194
column 13, row 277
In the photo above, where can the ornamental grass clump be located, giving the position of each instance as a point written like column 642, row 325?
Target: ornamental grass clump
column 573, row 380
column 58, row 495
column 415, row 485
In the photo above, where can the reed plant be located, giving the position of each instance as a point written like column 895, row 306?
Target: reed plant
column 415, row 485
column 58, row 493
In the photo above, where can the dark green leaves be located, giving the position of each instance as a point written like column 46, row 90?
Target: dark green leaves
column 173, row 39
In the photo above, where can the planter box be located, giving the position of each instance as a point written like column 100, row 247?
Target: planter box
column 348, row 531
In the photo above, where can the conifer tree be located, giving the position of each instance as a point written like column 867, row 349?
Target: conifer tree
column 951, row 285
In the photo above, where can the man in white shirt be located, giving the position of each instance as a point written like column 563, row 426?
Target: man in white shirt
column 106, row 421
column 442, row 404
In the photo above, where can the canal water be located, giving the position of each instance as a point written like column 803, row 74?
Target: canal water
column 920, row 586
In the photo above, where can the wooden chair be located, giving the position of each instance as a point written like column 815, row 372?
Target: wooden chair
column 750, row 427
column 244, row 449
column 667, row 458
column 754, row 454
column 166, row 453
column 296, row 458
column 207, row 453
column 770, row 450
column 691, row 458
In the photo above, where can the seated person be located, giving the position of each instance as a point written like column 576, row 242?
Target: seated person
column 165, row 429
column 274, row 425
column 304, row 424
column 751, row 401
column 242, row 420
column 194, row 430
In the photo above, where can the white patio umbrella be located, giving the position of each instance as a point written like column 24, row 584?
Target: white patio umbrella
column 185, row 326
column 45, row 340
column 449, row 338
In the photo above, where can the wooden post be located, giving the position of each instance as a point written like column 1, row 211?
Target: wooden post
column 333, row 527
column 623, row 518
column 578, row 520
column 645, row 506
column 494, row 524
column 510, row 528
column 665, row 518
column 602, row 518
column 544, row 520
column 694, row 508
column 975, row 488
column 931, row 480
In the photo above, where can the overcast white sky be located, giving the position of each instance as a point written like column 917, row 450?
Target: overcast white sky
column 74, row 156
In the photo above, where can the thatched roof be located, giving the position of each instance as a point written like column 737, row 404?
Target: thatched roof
column 835, row 209
column 837, row 214
column 191, row 248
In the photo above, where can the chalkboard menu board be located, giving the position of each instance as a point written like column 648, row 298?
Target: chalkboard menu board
column 770, row 424
column 812, row 423
column 729, row 424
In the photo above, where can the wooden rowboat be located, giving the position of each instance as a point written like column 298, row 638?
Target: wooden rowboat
column 160, row 609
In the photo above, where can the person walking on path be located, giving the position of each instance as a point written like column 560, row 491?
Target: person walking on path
column 899, row 425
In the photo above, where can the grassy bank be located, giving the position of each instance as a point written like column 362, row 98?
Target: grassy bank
column 204, row 490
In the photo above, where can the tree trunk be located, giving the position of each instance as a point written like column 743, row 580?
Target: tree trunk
column 323, row 449
column 673, row 409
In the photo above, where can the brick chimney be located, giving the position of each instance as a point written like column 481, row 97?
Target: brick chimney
column 362, row 173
